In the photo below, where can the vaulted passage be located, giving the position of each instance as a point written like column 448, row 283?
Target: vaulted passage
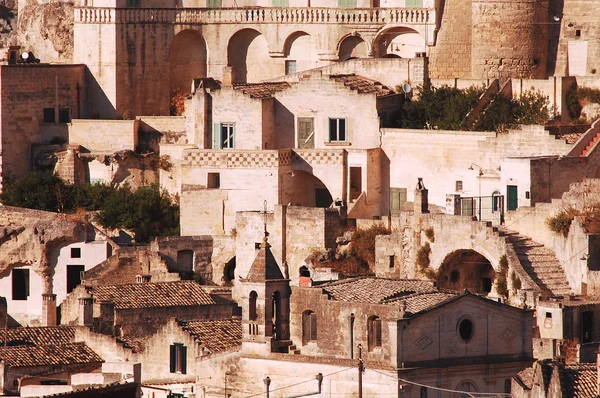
column 352, row 47
column 399, row 42
column 466, row 269
column 187, row 57
column 248, row 56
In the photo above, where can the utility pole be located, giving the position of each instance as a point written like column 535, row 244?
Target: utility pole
column 361, row 369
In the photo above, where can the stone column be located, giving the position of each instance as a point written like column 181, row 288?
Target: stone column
column 48, row 309
column 421, row 198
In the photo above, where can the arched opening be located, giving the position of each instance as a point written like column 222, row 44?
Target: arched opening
column 187, row 57
column 301, row 53
column 309, row 327
column 352, row 47
column 467, row 386
column 248, row 56
column 374, row 332
column 399, row 42
column 304, row 272
column 466, row 269
column 302, row 188
column 252, row 313
column 229, row 272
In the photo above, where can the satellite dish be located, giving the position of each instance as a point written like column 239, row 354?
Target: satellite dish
column 406, row 88
column 25, row 55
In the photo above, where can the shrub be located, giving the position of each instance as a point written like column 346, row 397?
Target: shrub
column 576, row 97
column 561, row 222
column 363, row 243
column 430, row 234
column 177, row 106
column 501, row 278
column 424, row 262
column 515, row 280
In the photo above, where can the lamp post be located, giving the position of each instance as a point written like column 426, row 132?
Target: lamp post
column 479, row 180
column 267, row 381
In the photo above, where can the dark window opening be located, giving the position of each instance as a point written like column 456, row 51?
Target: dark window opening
column 548, row 315
column 64, row 115
column 527, row 195
column 75, row 252
column 577, row 32
column 214, row 180
column 252, row 314
column 507, row 387
column 257, row 245
column 487, row 284
column 229, row 271
column 355, row 182
column 465, row 330
column 454, row 276
column 178, row 360
column 374, row 329
column 74, row 276
column 304, row 271
column 423, row 392
column 587, row 327
column 337, row 130
column 20, row 284
column 49, row 116
column 392, row 262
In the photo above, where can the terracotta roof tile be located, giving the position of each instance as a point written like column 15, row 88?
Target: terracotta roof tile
column 218, row 335
column 581, row 380
column 418, row 302
column 261, row 90
column 159, row 294
column 363, row 85
column 38, row 336
column 60, row 354
column 264, row 266
column 375, row 290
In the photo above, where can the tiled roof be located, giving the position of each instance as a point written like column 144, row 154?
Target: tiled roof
column 374, row 290
column 46, row 355
column 581, row 380
column 121, row 390
column 363, row 85
column 37, row 336
column 148, row 295
column 264, row 266
column 418, row 302
column 261, row 90
column 218, row 335
column 136, row 343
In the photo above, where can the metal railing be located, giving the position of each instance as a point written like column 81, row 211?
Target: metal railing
column 484, row 208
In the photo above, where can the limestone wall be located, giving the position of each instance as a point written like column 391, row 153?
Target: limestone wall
column 105, row 135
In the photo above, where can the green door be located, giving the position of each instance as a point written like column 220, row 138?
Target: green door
column 306, row 133
column 513, row 200
column 397, row 200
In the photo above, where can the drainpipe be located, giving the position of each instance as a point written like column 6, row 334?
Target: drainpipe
column 352, row 335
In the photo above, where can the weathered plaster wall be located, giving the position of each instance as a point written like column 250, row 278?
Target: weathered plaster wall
column 105, row 135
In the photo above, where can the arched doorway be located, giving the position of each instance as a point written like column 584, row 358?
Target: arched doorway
column 352, row 47
column 300, row 188
column 466, row 269
column 248, row 55
column 187, row 57
column 300, row 53
column 399, row 42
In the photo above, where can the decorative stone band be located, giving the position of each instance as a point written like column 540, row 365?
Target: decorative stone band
column 261, row 158
column 367, row 16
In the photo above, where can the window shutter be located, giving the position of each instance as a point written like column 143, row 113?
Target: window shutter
column 184, row 359
column 233, row 135
column 217, row 136
column 173, row 360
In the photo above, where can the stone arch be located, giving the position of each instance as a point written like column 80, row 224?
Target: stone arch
column 352, row 46
column 466, row 269
column 398, row 41
column 229, row 272
column 302, row 188
column 300, row 49
column 187, row 59
column 248, row 56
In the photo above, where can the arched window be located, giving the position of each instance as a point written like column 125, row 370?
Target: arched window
column 252, row 306
column 467, row 387
column 374, row 328
column 309, row 327
column 304, row 271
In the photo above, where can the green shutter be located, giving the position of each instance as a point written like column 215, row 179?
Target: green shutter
column 233, row 136
column 213, row 3
column 184, row 361
column 414, row 3
column 173, row 360
column 347, row 3
column 217, row 136
column 280, row 3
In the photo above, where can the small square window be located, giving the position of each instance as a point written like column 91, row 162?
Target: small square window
column 392, row 262
column 577, row 32
column 337, row 130
column 214, row 180
column 548, row 315
column 290, row 67
column 257, row 245
column 75, row 252
column 459, row 186
column 64, row 115
column 49, row 116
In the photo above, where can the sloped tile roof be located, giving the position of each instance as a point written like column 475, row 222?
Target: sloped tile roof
column 37, row 335
column 159, row 294
column 264, row 266
column 581, row 380
column 217, row 335
column 363, row 85
column 261, row 90
column 418, row 302
column 374, row 290
column 46, row 355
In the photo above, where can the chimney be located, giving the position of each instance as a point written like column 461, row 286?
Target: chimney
column 48, row 309
column 421, row 198
column 86, row 311
column 145, row 278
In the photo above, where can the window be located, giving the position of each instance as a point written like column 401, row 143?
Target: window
column 252, row 315
column 309, row 327
column 414, row 3
column 577, row 32
column 392, row 262
column 20, row 284
column 347, row 3
column 49, row 116
column 134, row 3
column 374, row 329
column 465, row 330
column 75, row 252
column 280, row 3
column 224, row 136
column 64, row 115
column 213, row 3
column 290, row 67
column 178, row 360
column 74, row 276
column 459, row 186
column 337, row 130
column 214, row 180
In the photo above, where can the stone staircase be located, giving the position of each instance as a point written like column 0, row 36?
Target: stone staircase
column 590, row 145
column 539, row 262
column 286, row 346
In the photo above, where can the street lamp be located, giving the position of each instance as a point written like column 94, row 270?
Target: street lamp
column 267, row 381
column 479, row 180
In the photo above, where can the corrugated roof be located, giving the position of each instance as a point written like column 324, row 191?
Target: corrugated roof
column 153, row 294
column 581, row 380
column 375, row 290
column 45, row 355
column 37, row 335
column 261, row 90
column 363, row 85
column 217, row 335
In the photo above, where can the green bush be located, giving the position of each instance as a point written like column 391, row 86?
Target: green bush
column 561, row 222
column 363, row 243
column 576, row 96
column 424, row 262
column 430, row 234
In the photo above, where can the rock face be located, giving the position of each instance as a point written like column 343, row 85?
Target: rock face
column 31, row 236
